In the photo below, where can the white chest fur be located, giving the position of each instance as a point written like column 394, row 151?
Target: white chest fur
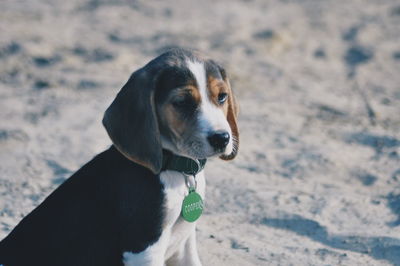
column 177, row 241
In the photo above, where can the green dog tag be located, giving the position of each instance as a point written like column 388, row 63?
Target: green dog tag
column 192, row 206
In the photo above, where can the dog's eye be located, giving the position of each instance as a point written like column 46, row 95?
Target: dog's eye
column 183, row 102
column 222, row 97
column 179, row 103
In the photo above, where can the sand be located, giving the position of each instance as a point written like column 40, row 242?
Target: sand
column 317, row 179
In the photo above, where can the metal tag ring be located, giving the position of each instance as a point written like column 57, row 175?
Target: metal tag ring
column 188, row 184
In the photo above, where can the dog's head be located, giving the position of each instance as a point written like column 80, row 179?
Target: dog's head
column 179, row 101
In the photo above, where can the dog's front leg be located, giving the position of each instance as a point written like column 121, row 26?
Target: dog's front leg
column 191, row 256
column 143, row 259
column 151, row 256
column 187, row 255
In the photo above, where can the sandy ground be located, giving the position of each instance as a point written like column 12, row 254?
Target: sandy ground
column 318, row 82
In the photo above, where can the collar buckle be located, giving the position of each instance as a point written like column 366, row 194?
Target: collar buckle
column 185, row 165
column 194, row 168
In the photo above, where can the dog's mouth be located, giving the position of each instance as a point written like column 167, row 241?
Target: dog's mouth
column 201, row 149
column 196, row 147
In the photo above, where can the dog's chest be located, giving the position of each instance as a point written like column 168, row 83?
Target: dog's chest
column 176, row 189
column 175, row 230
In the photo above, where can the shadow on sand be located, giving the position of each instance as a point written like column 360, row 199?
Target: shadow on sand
column 386, row 248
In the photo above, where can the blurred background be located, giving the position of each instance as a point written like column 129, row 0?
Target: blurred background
column 317, row 180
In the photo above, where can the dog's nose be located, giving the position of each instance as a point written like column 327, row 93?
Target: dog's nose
column 218, row 139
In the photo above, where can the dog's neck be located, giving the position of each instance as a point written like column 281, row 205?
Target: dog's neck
column 182, row 164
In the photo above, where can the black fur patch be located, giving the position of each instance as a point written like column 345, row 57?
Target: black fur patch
column 111, row 205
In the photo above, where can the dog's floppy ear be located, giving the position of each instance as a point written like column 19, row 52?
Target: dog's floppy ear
column 233, row 110
column 131, row 121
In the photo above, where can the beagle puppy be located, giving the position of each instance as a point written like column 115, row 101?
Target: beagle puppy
column 127, row 206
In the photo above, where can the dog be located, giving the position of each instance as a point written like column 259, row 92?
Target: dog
column 127, row 205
